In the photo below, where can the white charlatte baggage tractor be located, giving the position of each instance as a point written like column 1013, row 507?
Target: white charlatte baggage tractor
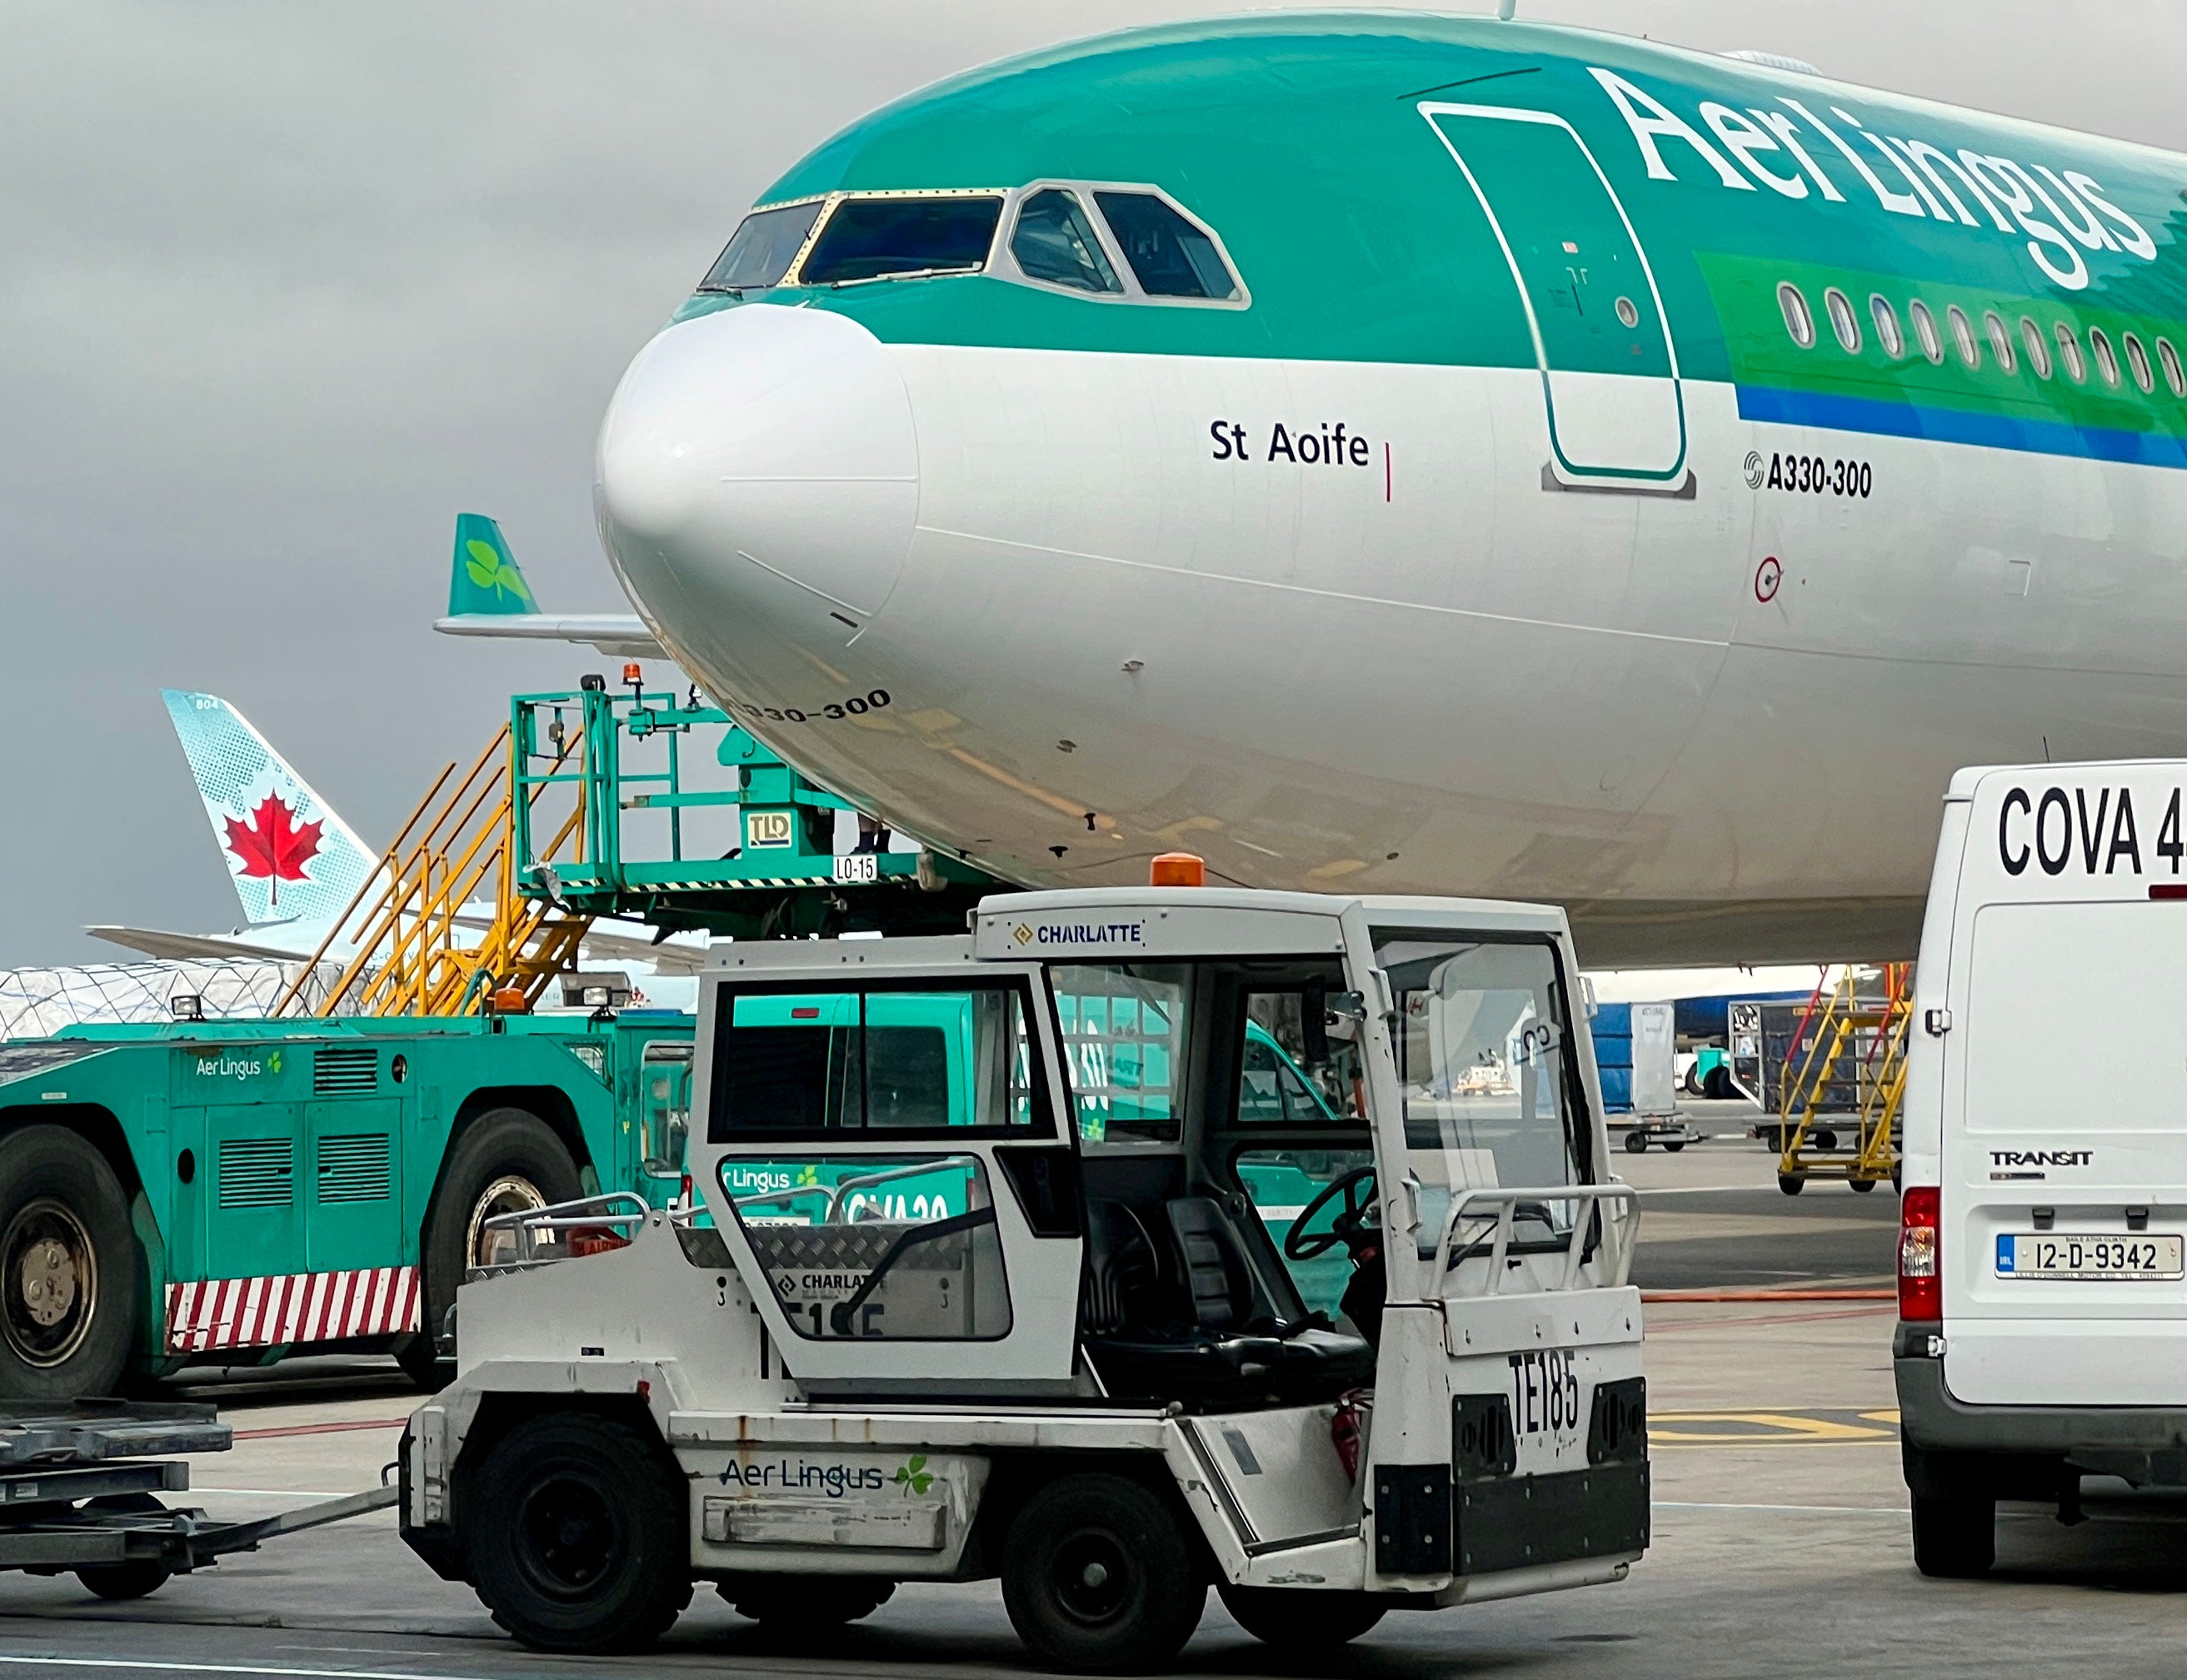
column 2042, row 1296
column 1142, row 1239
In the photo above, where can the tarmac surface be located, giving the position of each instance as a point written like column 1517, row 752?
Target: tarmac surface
column 1781, row 1529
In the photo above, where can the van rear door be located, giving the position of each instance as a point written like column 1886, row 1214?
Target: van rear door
column 2064, row 1159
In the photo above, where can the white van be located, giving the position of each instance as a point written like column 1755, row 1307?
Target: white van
column 2042, row 1297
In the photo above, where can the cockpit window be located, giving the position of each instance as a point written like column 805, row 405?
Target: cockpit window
column 760, row 253
column 1054, row 241
column 1171, row 256
column 866, row 239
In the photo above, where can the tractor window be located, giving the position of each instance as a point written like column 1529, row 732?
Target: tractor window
column 902, row 1247
column 907, row 1061
column 664, row 1114
column 1124, row 1048
column 1290, row 1076
column 1492, row 1094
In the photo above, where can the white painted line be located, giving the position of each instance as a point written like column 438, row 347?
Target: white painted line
column 1828, row 1510
column 169, row 1665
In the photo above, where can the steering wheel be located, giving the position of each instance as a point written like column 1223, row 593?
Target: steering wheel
column 1349, row 1227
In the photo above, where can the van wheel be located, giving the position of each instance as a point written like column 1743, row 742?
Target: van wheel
column 121, row 1581
column 1636, row 1142
column 1289, row 1618
column 1954, row 1537
column 506, row 1161
column 576, row 1535
column 68, row 1268
column 1098, row 1578
column 807, row 1602
column 1791, row 1184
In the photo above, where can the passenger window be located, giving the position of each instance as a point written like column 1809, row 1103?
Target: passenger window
column 1798, row 321
column 2107, row 359
column 1124, row 1048
column 2174, row 375
column 2000, row 341
column 1963, row 335
column 868, row 239
column 901, row 1248
column 1925, row 329
column 1888, row 331
column 1843, row 322
column 901, row 1061
column 2069, row 354
column 2137, row 360
column 1171, row 256
column 1054, row 241
column 760, row 252
column 2038, row 347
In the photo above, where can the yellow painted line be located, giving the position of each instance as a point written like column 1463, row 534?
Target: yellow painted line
column 1769, row 1429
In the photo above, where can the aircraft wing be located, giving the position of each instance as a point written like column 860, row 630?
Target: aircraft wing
column 192, row 947
column 487, row 596
column 667, row 958
column 618, row 635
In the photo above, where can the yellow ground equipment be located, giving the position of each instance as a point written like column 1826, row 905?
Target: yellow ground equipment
column 440, row 928
column 1846, row 1062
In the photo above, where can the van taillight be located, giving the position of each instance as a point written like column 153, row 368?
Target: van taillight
column 1921, row 1269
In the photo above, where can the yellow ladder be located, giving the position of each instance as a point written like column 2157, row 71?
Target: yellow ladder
column 1858, row 1042
column 417, row 939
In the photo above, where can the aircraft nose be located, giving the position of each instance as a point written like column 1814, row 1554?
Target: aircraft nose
column 762, row 461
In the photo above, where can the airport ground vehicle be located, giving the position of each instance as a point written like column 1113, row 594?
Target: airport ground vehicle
column 1089, row 1364
column 235, row 1189
column 2041, row 1299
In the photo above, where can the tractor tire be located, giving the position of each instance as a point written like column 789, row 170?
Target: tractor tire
column 1293, row 1619
column 1636, row 1142
column 1862, row 1186
column 1100, row 1577
column 1716, row 1083
column 1791, row 1184
column 577, row 1535
column 505, row 1160
column 68, row 1269
column 807, row 1602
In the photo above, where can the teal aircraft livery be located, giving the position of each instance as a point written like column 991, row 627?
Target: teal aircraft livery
column 1396, row 453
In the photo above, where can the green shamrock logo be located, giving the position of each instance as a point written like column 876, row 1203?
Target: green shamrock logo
column 913, row 1476
column 273, row 1062
column 490, row 572
column 809, row 1174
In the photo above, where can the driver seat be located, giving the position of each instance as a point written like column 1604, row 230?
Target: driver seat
column 1214, row 1354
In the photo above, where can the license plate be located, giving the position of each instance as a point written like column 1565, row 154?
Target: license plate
column 863, row 866
column 2127, row 1259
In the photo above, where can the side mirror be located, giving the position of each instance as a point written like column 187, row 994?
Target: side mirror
column 1586, row 996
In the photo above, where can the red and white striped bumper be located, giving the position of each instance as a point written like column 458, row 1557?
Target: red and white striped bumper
column 303, row 1306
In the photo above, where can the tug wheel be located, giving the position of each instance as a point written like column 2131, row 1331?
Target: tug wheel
column 508, row 1160
column 1099, row 1578
column 1289, row 1618
column 68, row 1268
column 576, row 1536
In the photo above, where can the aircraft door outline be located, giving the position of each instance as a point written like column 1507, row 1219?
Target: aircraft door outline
column 1604, row 422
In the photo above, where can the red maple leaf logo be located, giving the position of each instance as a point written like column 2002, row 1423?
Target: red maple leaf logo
column 273, row 846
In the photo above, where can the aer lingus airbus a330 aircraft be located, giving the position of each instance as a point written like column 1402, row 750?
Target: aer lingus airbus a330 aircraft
column 1398, row 453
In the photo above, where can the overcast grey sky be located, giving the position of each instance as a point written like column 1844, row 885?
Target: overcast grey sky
column 285, row 287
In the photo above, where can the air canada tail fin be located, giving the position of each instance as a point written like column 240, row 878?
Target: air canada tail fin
column 485, row 579
column 291, row 858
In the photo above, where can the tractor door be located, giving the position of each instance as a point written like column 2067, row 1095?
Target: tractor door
column 883, row 1155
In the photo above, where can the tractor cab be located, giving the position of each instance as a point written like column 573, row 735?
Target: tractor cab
column 1280, row 1222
